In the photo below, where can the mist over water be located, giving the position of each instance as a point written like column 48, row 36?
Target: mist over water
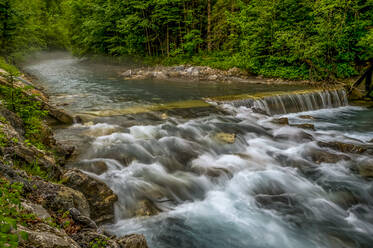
column 266, row 185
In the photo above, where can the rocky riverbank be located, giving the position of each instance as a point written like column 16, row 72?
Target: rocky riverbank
column 201, row 73
column 43, row 204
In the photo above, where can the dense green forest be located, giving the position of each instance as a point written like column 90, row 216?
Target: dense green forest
column 296, row 39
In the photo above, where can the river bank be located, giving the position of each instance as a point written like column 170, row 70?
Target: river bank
column 43, row 203
column 205, row 73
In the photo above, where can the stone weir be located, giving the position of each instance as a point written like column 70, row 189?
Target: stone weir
column 270, row 103
column 273, row 103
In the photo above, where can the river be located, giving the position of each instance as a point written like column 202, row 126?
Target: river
column 200, row 175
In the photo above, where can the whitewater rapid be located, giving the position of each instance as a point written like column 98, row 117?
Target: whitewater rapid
column 264, row 190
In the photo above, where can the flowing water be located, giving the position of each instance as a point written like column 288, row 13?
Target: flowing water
column 230, row 177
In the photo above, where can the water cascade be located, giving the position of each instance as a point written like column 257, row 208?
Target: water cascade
column 299, row 101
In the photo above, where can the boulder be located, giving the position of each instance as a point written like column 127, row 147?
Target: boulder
column 82, row 220
column 343, row 147
column 160, row 75
column 44, row 236
column 127, row 73
column 212, row 77
column 235, row 71
column 98, row 166
column 57, row 197
column 281, row 121
column 59, row 114
column 228, row 138
column 322, row 156
column 89, row 239
column 365, row 169
column 133, row 241
column 100, row 197
column 146, row 208
column 36, row 209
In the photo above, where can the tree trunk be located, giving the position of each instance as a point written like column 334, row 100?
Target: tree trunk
column 209, row 25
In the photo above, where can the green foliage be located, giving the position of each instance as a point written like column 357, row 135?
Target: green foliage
column 3, row 138
column 35, row 170
column 11, row 69
column 11, row 213
column 293, row 39
column 98, row 243
column 29, row 110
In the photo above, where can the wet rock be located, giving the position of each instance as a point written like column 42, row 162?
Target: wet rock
column 212, row 77
column 59, row 114
column 281, row 121
column 304, row 126
column 343, row 147
column 345, row 199
column 36, row 209
column 235, row 71
column 160, row 75
column 146, row 208
column 100, row 197
column 98, row 167
column 65, row 152
column 307, row 117
column 57, row 197
column 44, row 236
column 299, row 136
column 133, row 241
column 80, row 219
column 218, row 172
column 127, row 73
column 228, row 138
column 321, row 156
column 365, row 169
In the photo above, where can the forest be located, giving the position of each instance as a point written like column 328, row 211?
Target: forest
column 322, row 40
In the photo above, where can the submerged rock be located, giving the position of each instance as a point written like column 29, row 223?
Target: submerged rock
column 228, row 138
column 307, row 117
column 343, row 147
column 304, row 126
column 97, row 167
column 281, row 121
column 100, row 197
column 365, row 169
column 146, row 208
column 321, row 156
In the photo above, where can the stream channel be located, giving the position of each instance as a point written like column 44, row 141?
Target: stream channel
column 194, row 174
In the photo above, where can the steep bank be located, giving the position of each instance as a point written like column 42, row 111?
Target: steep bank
column 42, row 203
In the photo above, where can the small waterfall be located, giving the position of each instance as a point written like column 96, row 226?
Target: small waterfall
column 294, row 102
